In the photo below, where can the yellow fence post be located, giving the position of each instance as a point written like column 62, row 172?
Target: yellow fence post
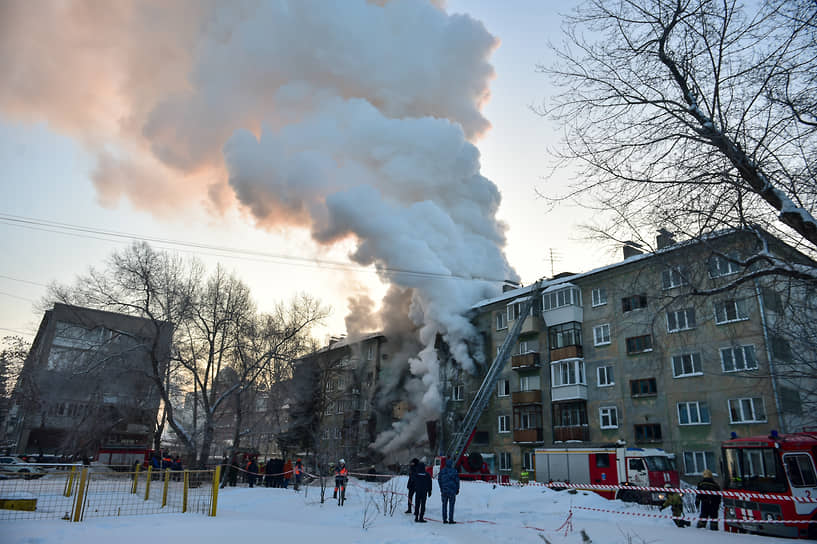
column 214, row 495
column 164, row 491
column 135, row 480
column 184, row 493
column 69, row 482
column 79, row 502
column 147, row 482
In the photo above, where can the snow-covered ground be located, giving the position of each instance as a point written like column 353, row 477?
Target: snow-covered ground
column 484, row 514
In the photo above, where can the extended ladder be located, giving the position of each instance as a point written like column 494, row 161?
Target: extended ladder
column 462, row 437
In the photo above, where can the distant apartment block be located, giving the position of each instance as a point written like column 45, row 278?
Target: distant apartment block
column 86, row 383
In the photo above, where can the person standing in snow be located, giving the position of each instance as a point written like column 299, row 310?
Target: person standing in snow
column 252, row 472
column 449, row 481
column 710, row 504
column 422, row 491
column 299, row 474
column 675, row 502
column 410, row 484
column 341, row 475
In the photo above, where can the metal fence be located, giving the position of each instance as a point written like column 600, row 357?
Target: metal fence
column 84, row 492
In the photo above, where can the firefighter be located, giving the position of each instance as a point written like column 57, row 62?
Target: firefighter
column 340, row 478
column 410, row 484
column 710, row 504
column 298, row 471
column 677, row 504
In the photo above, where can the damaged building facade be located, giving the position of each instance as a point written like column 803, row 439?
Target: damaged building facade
column 86, row 384
column 631, row 352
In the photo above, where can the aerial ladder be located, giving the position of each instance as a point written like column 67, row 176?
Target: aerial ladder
column 461, row 439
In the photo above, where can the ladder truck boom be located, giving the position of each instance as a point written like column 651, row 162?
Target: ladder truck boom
column 462, row 438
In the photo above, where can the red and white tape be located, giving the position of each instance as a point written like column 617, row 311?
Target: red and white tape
column 742, row 495
column 687, row 518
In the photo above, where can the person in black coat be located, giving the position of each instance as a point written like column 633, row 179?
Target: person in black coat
column 710, row 504
column 252, row 472
column 410, row 485
column 422, row 491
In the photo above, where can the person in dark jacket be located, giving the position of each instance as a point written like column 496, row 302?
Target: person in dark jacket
column 449, row 482
column 232, row 476
column 252, row 472
column 268, row 469
column 422, row 491
column 410, row 485
column 710, row 504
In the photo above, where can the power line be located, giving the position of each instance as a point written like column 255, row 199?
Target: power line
column 23, row 281
column 16, row 296
column 196, row 247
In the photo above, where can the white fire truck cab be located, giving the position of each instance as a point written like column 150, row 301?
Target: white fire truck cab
column 614, row 465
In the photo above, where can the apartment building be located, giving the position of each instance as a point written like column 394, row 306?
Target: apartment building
column 86, row 383
column 332, row 411
column 633, row 352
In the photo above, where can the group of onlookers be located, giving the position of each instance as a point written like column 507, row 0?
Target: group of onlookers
column 272, row 473
column 420, row 485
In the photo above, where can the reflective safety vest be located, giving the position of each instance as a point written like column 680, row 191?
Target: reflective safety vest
column 298, row 469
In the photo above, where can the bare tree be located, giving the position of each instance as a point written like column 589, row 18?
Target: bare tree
column 212, row 355
column 13, row 351
column 696, row 115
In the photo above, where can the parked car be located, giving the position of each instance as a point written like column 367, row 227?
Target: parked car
column 15, row 466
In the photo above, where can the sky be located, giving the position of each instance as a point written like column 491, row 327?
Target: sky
column 484, row 514
column 56, row 151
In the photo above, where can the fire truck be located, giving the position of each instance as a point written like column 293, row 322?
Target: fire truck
column 781, row 467
column 612, row 464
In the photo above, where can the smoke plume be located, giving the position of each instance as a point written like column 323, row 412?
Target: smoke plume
column 351, row 119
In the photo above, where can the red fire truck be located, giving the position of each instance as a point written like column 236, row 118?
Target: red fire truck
column 613, row 464
column 782, row 468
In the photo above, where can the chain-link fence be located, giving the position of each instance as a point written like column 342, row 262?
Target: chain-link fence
column 102, row 492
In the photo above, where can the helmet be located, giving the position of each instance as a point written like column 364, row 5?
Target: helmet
column 668, row 485
column 342, row 461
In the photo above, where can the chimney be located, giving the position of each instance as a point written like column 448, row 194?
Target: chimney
column 632, row 249
column 510, row 285
column 664, row 239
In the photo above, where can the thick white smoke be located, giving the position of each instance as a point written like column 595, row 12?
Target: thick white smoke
column 353, row 119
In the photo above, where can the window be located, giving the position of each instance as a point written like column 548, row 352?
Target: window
column 527, row 417
column 529, row 383
column 458, row 392
column 605, row 376
column 686, row 364
column 695, row 462
column 727, row 311
column 643, row 388
column 693, row 413
column 330, row 408
column 528, row 346
column 503, row 388
column 570, row 414
column 648, row 433
column 608, row 416
column 639, row 344
column 504, row 423
column 567, row 372
column 369, row 352
column 599, row 296
column 501, row 321
column 634, row 302
column 721, row 266
column 601, row 335
column 514, row 309
column 681, row 320
column 781, row 349
column 563, row 297
column 566, row 334
column 800, row 470
column 527, row 460
column 735, row 359
column 749, row 410
column 603, row 460
column 673, row 277
column 505, row 460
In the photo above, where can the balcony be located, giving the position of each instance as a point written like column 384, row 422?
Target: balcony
column 527, row 397
column 579, row 433
column 525, row 361
column 532, row 323
column 528, row 435
column 567, row 352
column 568, row 392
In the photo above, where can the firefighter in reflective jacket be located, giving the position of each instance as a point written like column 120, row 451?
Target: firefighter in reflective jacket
column 340, row 477
column 298, row 470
